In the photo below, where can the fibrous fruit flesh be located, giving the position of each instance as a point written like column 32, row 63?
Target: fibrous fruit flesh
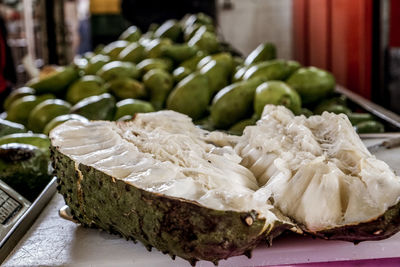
column 208, row 195
column 161, row 180
column 319, row 173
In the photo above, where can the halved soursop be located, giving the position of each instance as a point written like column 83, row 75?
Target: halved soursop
column 318, row 172
column 163, row 181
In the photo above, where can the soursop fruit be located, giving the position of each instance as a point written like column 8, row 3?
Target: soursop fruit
column 318, row 172
column 205, row 195
column 161, row 180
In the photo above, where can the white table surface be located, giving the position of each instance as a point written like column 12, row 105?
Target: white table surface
column 53, row 241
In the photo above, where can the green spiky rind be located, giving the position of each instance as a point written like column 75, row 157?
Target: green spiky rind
column 379, row 228
column 172, row 225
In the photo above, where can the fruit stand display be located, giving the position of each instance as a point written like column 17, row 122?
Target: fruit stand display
column 180, row 66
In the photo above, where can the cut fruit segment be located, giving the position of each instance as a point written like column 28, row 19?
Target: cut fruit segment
column 162, row 180
column 319, row 173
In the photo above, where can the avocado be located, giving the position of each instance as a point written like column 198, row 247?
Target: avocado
column 155, row 63
column 192, row 62
column 263, row 52
column 25, row 168
column 159, row 83
column 170, row 29
column 179, row 52
column 217, row 76
column 234, row 103
column 180, row 73
column 356, row 118
column 134, row 53
column 369, row 127
column 96, row 63
column 224, row 59
column 99, row 107
column 239, row 73
column 190, row 96
column 126, row 87
column 205, row 40
column 129, row 107
column 86, row 86
column 114, row 48
column 21, row 108
column 154, row 48
column 118, row 69
column 132, row 34
column 190, row 30
column 39, row 140
column 16, row 94
column 44, row 112
column 269, row 70
column 331, row 107
column 56, row 82
column 276, row 93
column 237, row 128
column 9, row 127
column 313, row 84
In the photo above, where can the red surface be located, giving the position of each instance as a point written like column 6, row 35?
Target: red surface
column 394, row 38
column 336, row 35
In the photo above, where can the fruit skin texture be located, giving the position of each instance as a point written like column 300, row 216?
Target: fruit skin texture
column 24, row 168
column 172, row 225
column 380, row 228
column 44, row 112
column 98, row 107
column 276, row 93
column 9, row 127
column 313, row 84
column 263, row 52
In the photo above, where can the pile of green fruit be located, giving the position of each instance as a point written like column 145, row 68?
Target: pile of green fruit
column 181, row 66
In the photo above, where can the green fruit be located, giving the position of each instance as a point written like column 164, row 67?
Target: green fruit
column 133, row 53
column 276, row 93
column 129, row 107
column 16, row 94
column 155, row 48
column 80, row 63
column 263, row 52
column 132, row 34
column 9, row 127
column 239, row 73
column 169, row 29
column 237, row 61
column 233, row 103
column 180, row 73
column 172, row 222
column 25, row 168
column 191, row 30
column 96, row 63
column 369, row 127
column 86, row 86
column 293, row 66
column 61, row 119
column 269, row 70
column 192, row 62
column 21, row 108
column 56, row 82
column 238, row 128
column 44, row 112
column 205, row 124
column 113, row 49
column 190, row 96
column 125, row 118
column 224, row 59
column 356, row 118
column 39, row 140
column 306, row 112
column 100, row 107
column 332, row 107
column 159, row 83
column 217, row 76
column 155, row 63
column 118, row 69
column 179, row 52
column 204, row 40
column 312, row 84
column 125, row 87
